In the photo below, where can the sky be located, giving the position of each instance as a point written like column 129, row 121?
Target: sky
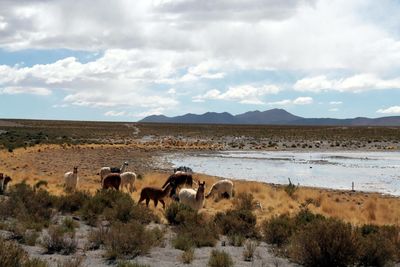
column 123, row 60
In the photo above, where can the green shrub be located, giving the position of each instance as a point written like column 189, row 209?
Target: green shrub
column 244, row 201
column 128, row 240
column 237, row 222
column 177, row 213
column 97, row 237
column 12, row 255
column 58, row 241
column 69, row 224
column 327, row 242
column 278, row 230
column 115, row 206
column 183, row 242
column 290, row 189
column 236, row 240
column 29, row 237
column 376, row 250
column 220, row 259
column 72, row 202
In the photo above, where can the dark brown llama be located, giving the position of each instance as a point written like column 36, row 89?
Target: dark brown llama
column 113, row 180
column 178, row 179
column 156, row 194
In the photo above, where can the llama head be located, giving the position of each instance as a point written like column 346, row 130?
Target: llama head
column 75, row 169
column 202, row 186
column 7, row 179
column 126, row 163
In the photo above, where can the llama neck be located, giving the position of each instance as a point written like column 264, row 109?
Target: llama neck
column 199, row 194
column 123, row 167
column 166, row 190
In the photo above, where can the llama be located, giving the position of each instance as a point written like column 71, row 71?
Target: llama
column 192, row 198
column 178, row 179
column 223, row 188
column 71, row 180
column 128, row 178
column 156, row 194
column 107, row 170
column 183, row 169
column 4, row 180
column 113, row 180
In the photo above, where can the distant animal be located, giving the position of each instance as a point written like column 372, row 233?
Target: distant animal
column 178, row 179
column 156, row 194
column 107, row 170
column 113, row 180
column 71, row 180
column 128, row 179
column 221, row 189
column 4, row 180
column 193, row 198
column 183, row 169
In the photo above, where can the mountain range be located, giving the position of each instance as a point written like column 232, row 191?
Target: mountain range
column 271, row 117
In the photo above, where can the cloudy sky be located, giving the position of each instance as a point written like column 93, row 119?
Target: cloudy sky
column 93, row 60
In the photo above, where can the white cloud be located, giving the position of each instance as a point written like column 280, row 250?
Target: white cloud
column 245, row 94
column 303, row 100
column 113, row 113
column 357, row 83
column 390, row 110
column 333, row 109
column 335, row 103
column 15, row 90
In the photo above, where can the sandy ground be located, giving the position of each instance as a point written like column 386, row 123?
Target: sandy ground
column 50, row 162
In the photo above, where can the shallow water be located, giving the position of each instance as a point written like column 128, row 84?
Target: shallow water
column 370, row 171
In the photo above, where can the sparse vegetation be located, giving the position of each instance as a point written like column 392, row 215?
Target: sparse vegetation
column 249, row 249
column 59, row 241
column 11, row 254
column 187, row 256
column 220, row 259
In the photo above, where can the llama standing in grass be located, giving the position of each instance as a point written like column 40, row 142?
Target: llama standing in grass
column 107, row 170
column 178, row 179
column 128, row 178
column 71, row 180
column 192, row 198
column 113, row 180
column 4, row 180
column 156, row 194
column 221, row 189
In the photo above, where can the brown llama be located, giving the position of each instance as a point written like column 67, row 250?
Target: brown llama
column 156, row 194
column 113, row 180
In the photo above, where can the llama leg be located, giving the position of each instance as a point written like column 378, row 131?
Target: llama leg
column 141, row 199
column 155, row 202
column 163, row 203
column 147, row 202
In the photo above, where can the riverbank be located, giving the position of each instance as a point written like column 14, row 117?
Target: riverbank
column 50, row 162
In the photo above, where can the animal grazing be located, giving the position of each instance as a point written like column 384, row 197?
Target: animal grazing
column 221, row 189
column 156, row 194
column 71, row 180
column 128, row 178
column 4, row 180
column 192, row 198
column 107, row 170
column 178, row 179
column 183, row 169
column 113, row 180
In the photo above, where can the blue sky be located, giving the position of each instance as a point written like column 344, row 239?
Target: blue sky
column 80, row 61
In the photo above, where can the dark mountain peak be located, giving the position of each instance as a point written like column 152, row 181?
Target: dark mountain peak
column 274, row 116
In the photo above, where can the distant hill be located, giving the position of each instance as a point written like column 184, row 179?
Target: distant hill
column 270, row 117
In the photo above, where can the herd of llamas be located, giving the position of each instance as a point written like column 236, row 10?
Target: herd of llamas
column 118, row 179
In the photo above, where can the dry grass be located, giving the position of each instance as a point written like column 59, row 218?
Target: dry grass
column 52, row 161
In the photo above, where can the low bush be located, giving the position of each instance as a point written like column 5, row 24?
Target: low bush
column 187, row 256
column 97, row 237
column 278, row 230
column 177, row 213
column 220, row 259
column 183, row 242
column 69, row 224
column 11, row 254
column 236, row 240
column 244, row 201
column 58, row 241
column 327, row 242
column 237, row 222
column 115, row 206
column 29, row 237
column 249, row 249
column 73, row 202
column 128, row 240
